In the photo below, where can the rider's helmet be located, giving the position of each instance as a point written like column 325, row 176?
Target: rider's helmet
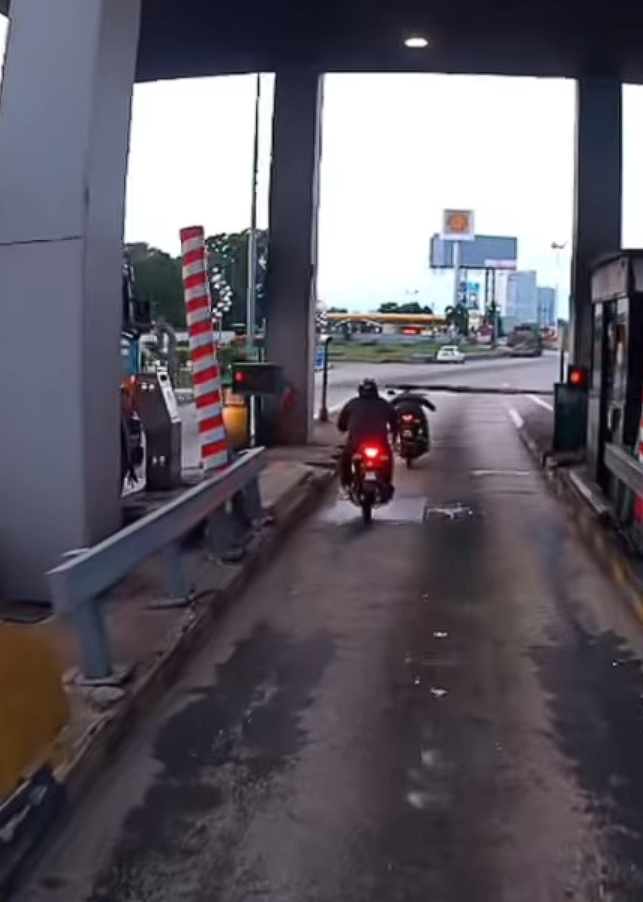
column 368, row 389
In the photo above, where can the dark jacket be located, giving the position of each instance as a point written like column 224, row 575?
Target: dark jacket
column 367, row 419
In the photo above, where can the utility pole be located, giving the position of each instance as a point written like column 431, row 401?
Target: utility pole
column 558, row 248
column 456, row 273
column 251, row 293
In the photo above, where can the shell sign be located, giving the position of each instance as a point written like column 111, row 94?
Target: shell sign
column 457, row 225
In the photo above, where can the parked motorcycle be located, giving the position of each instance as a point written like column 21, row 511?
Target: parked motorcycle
column 370, row 484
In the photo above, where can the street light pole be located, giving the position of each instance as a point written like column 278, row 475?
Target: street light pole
column 456, row 273
column 251, row 293
column 558, row 248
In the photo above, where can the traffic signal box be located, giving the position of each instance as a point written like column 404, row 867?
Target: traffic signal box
column 570, row 411
column 262, row 385
column 257, row 379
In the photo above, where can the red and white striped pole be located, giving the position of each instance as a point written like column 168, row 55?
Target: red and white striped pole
column 206, row 374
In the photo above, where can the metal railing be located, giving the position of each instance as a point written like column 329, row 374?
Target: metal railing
column 229, row 502
column 624, row 467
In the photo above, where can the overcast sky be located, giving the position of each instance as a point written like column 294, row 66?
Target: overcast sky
column 397, row 150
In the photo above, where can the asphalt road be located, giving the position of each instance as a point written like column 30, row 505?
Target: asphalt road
column 343, row 379
column 445, row 707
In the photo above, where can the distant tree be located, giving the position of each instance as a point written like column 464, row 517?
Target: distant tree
column 158, row 279
column 492, row 318
column 457, row 317
column 407, row 309
column 337, row 310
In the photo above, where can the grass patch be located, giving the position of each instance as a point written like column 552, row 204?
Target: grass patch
column 380, row 352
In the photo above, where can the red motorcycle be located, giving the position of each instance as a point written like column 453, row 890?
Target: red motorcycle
column 371, row 478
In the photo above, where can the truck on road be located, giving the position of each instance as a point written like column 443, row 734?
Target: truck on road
column 525, row 341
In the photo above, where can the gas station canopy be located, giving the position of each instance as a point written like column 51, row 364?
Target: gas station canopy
column 566, row 38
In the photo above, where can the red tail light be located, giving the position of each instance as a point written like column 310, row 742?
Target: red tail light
column 407, row 417
column 370, row 452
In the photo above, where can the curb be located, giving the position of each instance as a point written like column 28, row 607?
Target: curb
column 593, row 524
column 105, row 736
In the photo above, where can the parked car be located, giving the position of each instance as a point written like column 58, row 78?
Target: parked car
column 450, row 354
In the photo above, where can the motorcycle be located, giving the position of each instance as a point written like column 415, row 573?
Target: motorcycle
column 412, row 439
column 370, row 487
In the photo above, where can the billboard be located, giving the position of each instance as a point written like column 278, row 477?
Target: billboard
column 469, row 294
column 484, row 252
column 457, row 225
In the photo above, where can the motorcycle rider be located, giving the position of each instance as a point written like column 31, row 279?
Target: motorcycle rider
column 414, row 404
column 367, row 418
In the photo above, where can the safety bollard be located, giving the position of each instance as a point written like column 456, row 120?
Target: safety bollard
column 323, row 407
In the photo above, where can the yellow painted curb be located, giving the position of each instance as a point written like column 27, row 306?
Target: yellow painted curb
column 33, row 704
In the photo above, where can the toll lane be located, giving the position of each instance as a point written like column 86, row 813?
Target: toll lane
column 538, row 374
column 444, row 706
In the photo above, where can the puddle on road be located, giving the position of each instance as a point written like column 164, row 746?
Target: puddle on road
column 403, row 509
column 455, row 511
column 400, row 510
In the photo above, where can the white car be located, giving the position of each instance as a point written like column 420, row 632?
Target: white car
column 450, row 354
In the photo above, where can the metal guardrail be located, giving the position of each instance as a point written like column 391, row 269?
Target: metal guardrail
column 626, row 469
column 229, row 502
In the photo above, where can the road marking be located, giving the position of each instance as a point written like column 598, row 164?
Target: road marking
column 501, row 473
column 541, row 403
column 516, row 419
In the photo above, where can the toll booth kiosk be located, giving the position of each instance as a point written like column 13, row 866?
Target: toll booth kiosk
column 159, row 412
column 616, row 380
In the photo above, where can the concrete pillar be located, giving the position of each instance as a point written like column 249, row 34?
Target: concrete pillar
column 64, row 131
column 292, row 260
column 597, row 197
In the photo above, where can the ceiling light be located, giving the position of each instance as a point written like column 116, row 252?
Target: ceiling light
column 416, row 42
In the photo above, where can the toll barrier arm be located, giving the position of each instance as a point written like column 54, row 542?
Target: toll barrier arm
column 466, row 389
column 228, row 501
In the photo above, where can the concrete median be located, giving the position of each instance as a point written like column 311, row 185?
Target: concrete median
column 152, row 646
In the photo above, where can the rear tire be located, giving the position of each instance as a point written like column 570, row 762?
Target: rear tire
column 409, row 462
column 367, row 511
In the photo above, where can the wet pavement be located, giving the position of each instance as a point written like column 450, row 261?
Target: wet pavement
column 446, row 706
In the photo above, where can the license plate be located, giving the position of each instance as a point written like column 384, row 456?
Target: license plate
column 407, row 434
column 370, row 477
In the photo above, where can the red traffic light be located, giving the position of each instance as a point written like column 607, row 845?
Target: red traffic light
column 577, row 376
